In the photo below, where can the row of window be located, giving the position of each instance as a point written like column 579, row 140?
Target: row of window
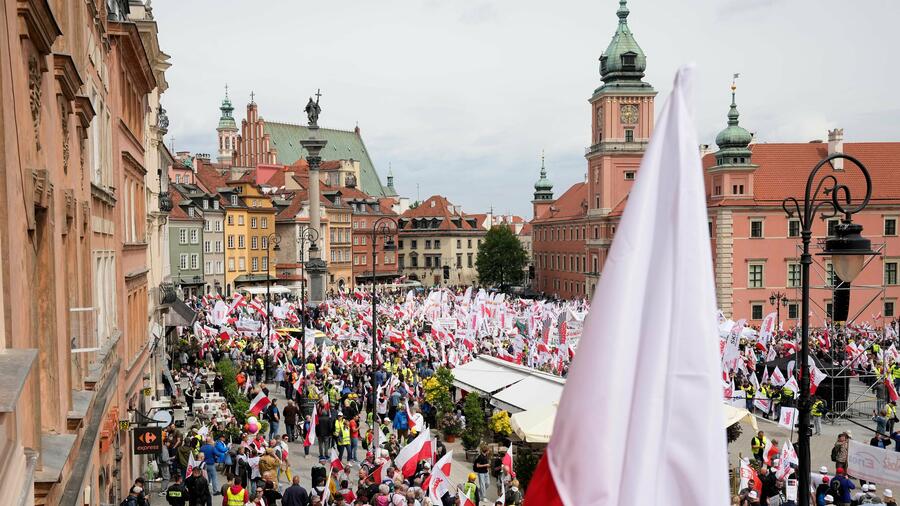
column 207, row 246
column 189, row 261
column 341, row 235
column 263, row 222
column 189, row 236
column 434, row 261
column 217, row 267
column 757, row 231
column 573, row 287
column 364, row 259
column 436, row 243
column 212, row 224
column 757, row 310
column 568, row 263
column 256, row 242
column 256, row 264
column 756, row 274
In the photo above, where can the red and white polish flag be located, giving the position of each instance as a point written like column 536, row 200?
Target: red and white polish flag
column 334, row 460
column 259, row 403
column 310, row 438
column 651, row 337
column 417, row 450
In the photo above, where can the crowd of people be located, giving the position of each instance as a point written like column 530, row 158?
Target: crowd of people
column 258, row 379
column 762, row 375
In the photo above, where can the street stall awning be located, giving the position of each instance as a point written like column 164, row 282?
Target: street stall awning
column 536, row 425
column 532, row 392
column 484, row 377
column 260, row 290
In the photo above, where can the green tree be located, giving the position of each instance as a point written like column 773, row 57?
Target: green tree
column 501, row 258
column 475, row 424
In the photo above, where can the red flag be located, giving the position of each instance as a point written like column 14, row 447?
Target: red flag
column 378, row 474
column 334, row 460
column 417, row 450
column 892, row 392
column 311, row 434
column 259, row 403
column 508, row 460
column 409, row 416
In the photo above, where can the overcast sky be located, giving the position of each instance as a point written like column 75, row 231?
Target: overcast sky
column 461, row 96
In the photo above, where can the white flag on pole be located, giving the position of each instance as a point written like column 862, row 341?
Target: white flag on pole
column 651, row 339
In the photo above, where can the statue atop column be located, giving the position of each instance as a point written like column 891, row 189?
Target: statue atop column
column 312, row 110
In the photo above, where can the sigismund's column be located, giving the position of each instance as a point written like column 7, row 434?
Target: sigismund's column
column 315, row 266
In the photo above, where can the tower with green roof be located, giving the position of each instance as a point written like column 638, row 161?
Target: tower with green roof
column 543, row 192
column 227, row 131
column 621, row 124
column 732, row 175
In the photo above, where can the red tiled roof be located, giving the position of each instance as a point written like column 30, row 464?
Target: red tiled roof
column 526, row 229
column 437, row 206
column 570, row 205
column 784, row 169
column 290, row 212
column 177, row 213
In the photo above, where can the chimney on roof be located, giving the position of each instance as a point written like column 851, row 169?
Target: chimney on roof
column 836, row 145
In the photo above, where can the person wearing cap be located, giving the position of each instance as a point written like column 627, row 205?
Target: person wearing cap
column 822, row 490
column 828, row 499
column 132, row 498
column 840, row 452
column 752, row 499
column 198, row 488
column 470, row 489
column 888, row 497
column 840, row 483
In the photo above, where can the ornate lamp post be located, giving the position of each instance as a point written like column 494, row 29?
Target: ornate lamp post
column 384, row 227
column 778, row 299
column 271, row 245
column 312, row 236
column 847, row 249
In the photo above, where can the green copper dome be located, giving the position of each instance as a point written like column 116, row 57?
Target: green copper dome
column 543, row 188
column 734, row 136
column 226, row 121
column 623, row 60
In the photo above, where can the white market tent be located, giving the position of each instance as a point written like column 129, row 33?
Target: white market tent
column 530, row 393
column 484, row 376
column 260, row 290
column 536, row 425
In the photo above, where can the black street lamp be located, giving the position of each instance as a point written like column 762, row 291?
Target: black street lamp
column 271, row 245
column 847, row 248
column 778, row 299
column 312, row 236
column 384, row 227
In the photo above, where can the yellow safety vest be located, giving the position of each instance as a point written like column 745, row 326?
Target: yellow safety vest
column 756, row 445
column 895, row 371
column 817, row 408
column 235, row 499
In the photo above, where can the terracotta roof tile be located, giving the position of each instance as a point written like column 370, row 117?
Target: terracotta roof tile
column 438, row 207
column 570, row 205
column 784, row 169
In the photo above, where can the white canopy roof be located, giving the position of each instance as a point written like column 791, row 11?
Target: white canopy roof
column 485, row 377
column 274, row 289
column 536, row 424
column 532, row 392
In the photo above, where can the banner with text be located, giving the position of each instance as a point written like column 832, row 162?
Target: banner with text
column 875, row 464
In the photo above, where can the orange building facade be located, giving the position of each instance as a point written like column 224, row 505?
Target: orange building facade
column 75, row 213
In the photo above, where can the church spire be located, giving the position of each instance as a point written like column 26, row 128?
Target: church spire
column 734, row 140
column 543, row 188
column 226, row 120
column 623, row 62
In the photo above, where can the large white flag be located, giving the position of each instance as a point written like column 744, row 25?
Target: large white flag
column 651, row 339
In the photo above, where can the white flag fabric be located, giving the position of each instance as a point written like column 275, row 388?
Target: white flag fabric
column 649, row 343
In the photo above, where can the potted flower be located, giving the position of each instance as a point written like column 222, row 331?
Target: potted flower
column 450, row 426
column 500, row 425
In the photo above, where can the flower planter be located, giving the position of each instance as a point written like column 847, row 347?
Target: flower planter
column 450, row 438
